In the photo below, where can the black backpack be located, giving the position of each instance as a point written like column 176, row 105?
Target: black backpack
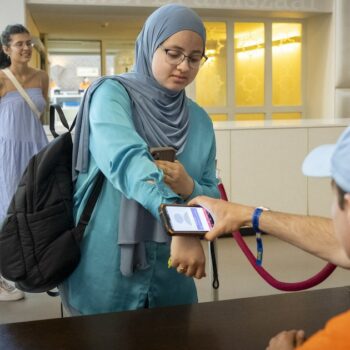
column 39, row 242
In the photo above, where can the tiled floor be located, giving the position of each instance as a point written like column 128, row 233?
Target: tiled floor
column 237, row 279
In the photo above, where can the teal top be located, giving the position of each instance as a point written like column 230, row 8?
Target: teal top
column 97, row 284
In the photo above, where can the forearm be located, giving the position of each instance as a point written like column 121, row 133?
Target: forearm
column 310, row 233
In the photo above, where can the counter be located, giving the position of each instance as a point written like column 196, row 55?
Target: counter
column 240, row 324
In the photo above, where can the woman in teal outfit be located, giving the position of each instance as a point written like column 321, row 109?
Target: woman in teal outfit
column 125, row 250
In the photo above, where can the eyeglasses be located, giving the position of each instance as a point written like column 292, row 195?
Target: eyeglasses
column 176, row 57
column 21, row 44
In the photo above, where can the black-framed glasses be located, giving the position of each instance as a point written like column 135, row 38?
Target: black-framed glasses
column 21, row 44
column 176, row 57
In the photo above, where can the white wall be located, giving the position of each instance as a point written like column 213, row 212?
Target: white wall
column 12, row 11
column 319, row 189
column 319, row 81
column 261, row 166
column 342, row 61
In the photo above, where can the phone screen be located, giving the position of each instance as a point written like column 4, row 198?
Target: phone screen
column 189, row 219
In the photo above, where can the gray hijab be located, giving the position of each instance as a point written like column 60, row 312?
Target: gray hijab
column 160, row 117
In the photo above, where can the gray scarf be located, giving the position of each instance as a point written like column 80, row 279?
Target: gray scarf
column 160, row 117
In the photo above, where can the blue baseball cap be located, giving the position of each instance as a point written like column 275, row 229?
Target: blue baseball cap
column 331, row 161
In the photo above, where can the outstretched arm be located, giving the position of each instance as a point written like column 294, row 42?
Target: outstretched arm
column 311, row 233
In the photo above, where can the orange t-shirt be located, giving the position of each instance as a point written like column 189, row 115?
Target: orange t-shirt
column 335, row 335
column 84, row 85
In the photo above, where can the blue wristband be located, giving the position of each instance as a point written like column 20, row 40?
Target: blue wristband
column 259, row 244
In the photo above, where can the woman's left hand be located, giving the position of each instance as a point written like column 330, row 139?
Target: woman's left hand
column 187, row 256
column 176, row 177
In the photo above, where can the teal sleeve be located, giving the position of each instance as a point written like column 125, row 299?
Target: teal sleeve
column 119, row 151
column 208, row 184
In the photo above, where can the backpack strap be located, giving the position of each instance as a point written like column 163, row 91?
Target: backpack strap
column 53, row 109
column 89, row 207
column 73, row 123
column 23, row 93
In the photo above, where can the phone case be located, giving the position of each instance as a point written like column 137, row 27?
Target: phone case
column 166, row 222
column 163, row 153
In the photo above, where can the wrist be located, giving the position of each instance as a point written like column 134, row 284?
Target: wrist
column 247, row 216
column 256, row 218
column 189, row 190
column 256, row 227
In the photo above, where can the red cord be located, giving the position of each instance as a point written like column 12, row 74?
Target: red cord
column 285, row 286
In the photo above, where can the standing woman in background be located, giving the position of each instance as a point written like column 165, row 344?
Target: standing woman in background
column 21, row 132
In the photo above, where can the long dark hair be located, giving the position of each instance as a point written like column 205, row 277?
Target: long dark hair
column 6, row 39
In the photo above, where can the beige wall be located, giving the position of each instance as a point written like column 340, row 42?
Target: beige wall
column 319, row 82
column 261, row 166
column 342, row 59
column 12, row 11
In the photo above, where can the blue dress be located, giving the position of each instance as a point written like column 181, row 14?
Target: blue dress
column 97, row 284
column 21, row 136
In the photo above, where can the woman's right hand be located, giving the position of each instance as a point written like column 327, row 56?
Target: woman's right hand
column 187, row 256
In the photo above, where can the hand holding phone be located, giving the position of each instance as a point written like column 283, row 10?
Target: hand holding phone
column 182, row 220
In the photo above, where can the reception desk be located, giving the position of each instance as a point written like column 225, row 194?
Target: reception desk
column 240, row 324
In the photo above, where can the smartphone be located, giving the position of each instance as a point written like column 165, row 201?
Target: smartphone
column 163, row 153
column 183, row 220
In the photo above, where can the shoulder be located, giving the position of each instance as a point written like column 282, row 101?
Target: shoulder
column 41, row 75
column 113, row 84
column 2, row 82
column 334, row 336
column 110, row 94
column 198, row 113
column 111, row 88
column 340, row 322
column 38, row 78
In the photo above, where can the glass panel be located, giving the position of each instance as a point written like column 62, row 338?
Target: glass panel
column 119, row 57
column 211, row 79
column 286, row 64
column 249, row 116
column 283, row 116
column 218, row 117
column 249, row 40
column 73, row 66
column 72, row 61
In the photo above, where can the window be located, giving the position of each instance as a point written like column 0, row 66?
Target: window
column 71, row 61
column 213, row 73
column 74, row 64
column 119, row 57
column 286, row 64
column 263, row 60
column 249, row 58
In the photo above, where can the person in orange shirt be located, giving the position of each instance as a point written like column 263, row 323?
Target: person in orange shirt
column 324, row 161
column 84, row 84
column 333, row 161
